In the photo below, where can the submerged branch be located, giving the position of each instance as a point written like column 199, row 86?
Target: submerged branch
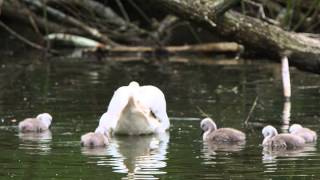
column 204, row 48
column 254, row 104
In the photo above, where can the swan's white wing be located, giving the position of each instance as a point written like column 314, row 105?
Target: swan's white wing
column 150, row 96
column 119, row 100
column 117, row 103
column 153, row 98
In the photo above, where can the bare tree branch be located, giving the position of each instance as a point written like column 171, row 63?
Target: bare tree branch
column 66, row 18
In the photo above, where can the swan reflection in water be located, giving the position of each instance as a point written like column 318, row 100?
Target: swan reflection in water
column 136, row 156
column 36, row 142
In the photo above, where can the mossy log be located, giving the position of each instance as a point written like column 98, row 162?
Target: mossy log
column 255, row 34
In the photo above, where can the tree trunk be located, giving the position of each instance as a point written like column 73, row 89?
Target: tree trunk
column 270, row 40
column 1, row 2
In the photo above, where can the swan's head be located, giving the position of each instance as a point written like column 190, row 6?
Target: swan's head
column 207, row 124
column 93, row 139
column 294, row 127
column 46, row 118
column 269, row 131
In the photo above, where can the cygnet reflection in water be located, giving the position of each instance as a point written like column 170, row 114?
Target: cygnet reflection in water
column 36, row 142
column 271, row 155
column 212, row 148
column 97, row 151
column 35, row 136
column 137, row 156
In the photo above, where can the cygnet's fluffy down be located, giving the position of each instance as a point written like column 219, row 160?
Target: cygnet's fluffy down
column 221, row 135
column 281, row 141
column 41, row 123
column 307, row 134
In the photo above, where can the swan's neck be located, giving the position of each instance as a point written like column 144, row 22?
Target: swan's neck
column 101, row 129
column 266, row 140
column 212, row 128
column 268, row 137
column 107, row 122
column 206, row 133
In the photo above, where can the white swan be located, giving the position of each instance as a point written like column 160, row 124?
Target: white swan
column 135, row 110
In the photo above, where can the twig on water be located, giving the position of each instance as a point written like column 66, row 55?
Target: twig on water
column 202, row 113
column 251, row 110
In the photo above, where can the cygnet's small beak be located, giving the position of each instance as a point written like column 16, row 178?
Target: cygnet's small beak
column 91, row 144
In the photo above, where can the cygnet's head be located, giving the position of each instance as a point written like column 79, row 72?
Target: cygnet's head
column 46, row 118
column 92, row 139
column 269, row 131
column 207, row 124
column 27, row 126
column 295, row 127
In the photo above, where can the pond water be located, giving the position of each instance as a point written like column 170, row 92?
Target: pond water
column 76, row 93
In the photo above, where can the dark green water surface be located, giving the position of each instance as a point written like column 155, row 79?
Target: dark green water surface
column 76, row 93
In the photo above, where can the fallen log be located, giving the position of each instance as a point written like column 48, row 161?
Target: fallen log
column 204, row 48
column 255, row 34
column 78, row 41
